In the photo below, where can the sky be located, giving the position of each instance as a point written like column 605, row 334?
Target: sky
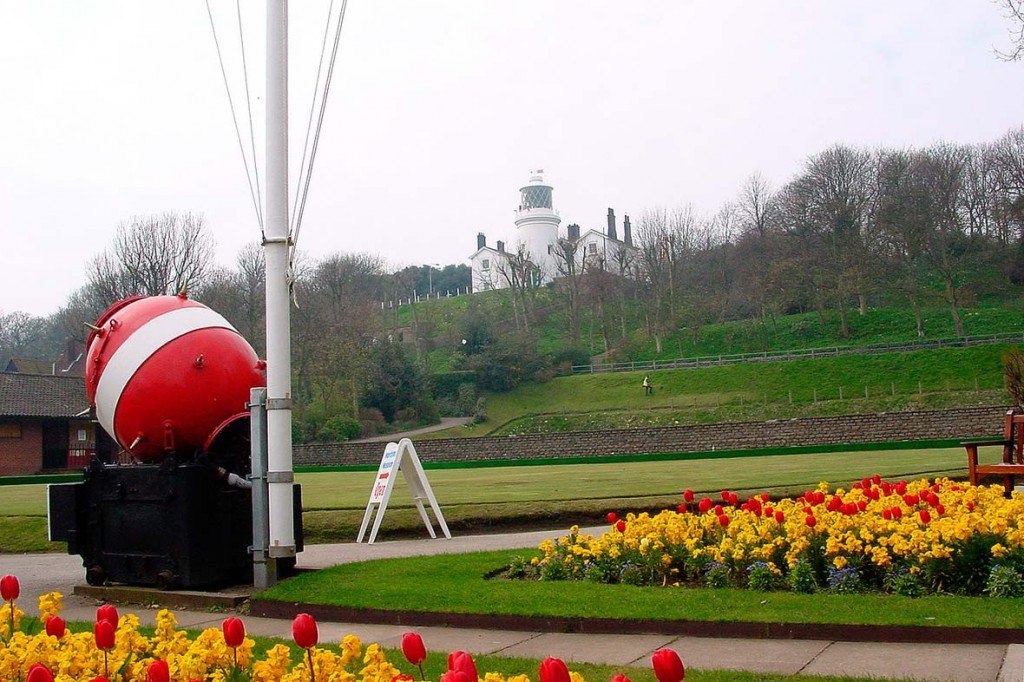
column 439, row 111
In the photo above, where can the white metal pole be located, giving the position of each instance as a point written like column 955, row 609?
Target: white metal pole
column 276, row 248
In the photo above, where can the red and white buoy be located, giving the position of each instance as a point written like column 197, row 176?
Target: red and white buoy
column 166, row 373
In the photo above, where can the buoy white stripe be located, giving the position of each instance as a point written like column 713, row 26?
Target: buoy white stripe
column 140, row 346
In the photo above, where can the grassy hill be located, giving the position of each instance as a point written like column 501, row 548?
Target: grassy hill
column 927, row 379
column 441, row 321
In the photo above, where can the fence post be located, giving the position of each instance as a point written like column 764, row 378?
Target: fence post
column 791, row 397
column 866, row 392
column 840, row 392
column 815, row 395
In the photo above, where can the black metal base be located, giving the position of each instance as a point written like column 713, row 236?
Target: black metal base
column 169, row 525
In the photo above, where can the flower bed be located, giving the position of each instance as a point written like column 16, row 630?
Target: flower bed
column 43, row 649
column 910, row 538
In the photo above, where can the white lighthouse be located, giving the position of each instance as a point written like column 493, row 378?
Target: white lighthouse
column 537, row 224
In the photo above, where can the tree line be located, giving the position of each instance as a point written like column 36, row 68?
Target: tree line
column 854, row 227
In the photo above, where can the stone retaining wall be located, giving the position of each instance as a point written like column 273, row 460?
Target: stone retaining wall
column 975, row 422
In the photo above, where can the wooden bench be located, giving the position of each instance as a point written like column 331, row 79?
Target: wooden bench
column 1012, row 463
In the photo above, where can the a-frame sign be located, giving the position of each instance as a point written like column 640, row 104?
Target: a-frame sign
column 401, row 456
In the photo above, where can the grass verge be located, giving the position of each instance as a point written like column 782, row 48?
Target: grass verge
column 456, row 584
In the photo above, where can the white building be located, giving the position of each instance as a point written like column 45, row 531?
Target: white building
column 535, row 250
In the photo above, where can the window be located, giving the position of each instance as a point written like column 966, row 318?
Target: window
column 485, row 264
column 592, row 247
column 82, row 436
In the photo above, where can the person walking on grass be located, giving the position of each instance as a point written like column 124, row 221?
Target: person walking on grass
column 648, row 389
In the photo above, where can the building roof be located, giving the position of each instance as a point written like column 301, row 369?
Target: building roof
column 33, row 395
column 30, row 366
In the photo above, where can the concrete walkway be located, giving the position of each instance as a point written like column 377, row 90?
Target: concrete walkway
column 938, row 662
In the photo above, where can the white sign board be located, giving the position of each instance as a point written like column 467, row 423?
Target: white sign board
column 400, row 456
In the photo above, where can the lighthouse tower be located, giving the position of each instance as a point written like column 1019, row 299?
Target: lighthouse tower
column 537, row 224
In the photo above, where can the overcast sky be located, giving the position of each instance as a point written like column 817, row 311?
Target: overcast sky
column 439, row 110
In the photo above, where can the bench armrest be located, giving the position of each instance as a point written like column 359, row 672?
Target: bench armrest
column 979, row 443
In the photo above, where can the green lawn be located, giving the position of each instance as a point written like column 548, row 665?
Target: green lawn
column 616, row 480
column 457, row 585
column 541, row 496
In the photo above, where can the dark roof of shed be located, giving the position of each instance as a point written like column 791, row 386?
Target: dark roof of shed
column 29, row 366
column 33, row 395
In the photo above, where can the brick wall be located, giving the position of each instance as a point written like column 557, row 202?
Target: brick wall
column 23, row 454
column 964, row 423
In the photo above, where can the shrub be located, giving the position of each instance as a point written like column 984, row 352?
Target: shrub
column 761, row 577
column 844, row 580
column 801, row 578
column 903, row 583
column 338, row 428
column 716, row 575
column 1004, row 581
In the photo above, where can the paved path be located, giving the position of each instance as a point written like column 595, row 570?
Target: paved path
column 446, row 423
column 934, row 662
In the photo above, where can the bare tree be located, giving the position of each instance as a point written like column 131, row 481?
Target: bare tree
column 153, row 255
column 522, row 276
column 570, row 272
column 1013, row 10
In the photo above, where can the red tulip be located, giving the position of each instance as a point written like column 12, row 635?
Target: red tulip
column 413, row 649
column 668, row 667
column 897, row 513
column 304, row 631
column 104, row 633
column 887, row 514
column 553, row 670
column 461, row 661
column 621, row 526
column 454, row 676
column 612, row 517
column 704, row 505
column 619, row 677
column 55, row 626
column 158, row 672
column 925, row 516
column 107, row 612
column 723, row 520
column 779, row 516
column 101, row 678
column 719, row 510
column 940, row 510
column 10, row 588
column 688, row 495
column 234, row 632
column 682, row 508
column 403, row 677
column 39, row 673
column 811, row 521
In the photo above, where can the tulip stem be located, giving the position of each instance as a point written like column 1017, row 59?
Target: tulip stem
column 106, row 673
column 420, row 666
column 234, row 650
column 11, row 632
column 312, row 673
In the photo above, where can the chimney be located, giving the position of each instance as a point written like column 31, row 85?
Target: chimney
column 574, row 232
column 501, row 246
column 611, row 225
column 481, row 240
column 627, row 231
